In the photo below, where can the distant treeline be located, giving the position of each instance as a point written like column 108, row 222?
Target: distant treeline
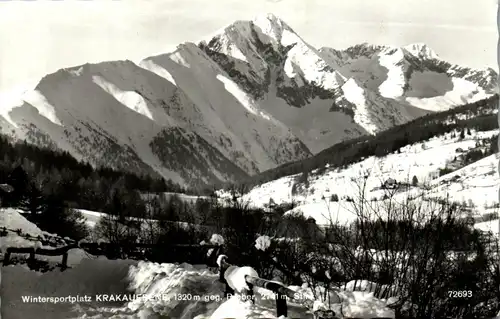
column 37, row 171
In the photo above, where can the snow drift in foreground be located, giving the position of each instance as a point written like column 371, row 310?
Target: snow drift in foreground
column 174, row 291
column 141, row 289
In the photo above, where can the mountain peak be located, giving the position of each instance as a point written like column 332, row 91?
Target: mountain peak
column 421, row 50
column 269, row 16
column 269, row 24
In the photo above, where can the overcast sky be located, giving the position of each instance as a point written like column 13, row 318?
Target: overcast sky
column 39, row 37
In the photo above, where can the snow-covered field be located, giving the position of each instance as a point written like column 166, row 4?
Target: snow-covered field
column 146, row 225
column 91, row 217
column 489, row 226
column 475, row 184
column 141, row 289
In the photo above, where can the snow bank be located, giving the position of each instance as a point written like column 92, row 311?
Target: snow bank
column 12, row 219
column 175, row 291
column 354, row 304
column 143, row 289
column 235, row 277
column 30, row 236
column 153, row 290
column 359, row 304
column 489, row 226
column 242, row 309
column 91, row 278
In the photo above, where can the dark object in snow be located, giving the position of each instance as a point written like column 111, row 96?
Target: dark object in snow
column 6, row 188
column 390, row 183
column 324, row 314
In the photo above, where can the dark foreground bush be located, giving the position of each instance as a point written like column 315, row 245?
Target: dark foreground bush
column 56, row 218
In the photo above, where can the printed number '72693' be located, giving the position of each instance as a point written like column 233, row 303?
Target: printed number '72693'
column 460, row 293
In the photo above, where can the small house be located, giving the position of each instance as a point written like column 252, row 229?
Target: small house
column 390, row 183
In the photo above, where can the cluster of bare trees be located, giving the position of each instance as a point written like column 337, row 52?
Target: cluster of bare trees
column 422, row 253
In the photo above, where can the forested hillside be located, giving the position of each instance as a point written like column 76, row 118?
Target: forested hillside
column 40, row 172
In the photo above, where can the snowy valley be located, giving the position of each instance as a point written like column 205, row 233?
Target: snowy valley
column 328, row 194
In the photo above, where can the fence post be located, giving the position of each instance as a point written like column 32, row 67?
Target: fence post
column 249, row 294
column 6, row 258
column 64, row 262
column 281, row 307
column 223, row 265
column 32, row 256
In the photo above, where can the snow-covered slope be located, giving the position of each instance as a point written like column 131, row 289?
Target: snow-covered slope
column 327, row 195
column 228, row 117
column 121, row 115
column 253, row 96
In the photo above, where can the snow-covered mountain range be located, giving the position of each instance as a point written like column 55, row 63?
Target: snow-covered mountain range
column 252, row 96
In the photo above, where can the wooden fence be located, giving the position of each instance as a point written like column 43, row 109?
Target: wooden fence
column 108, row 250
